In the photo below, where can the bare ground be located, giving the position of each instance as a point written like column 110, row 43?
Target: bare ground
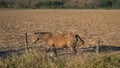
column 89, row 24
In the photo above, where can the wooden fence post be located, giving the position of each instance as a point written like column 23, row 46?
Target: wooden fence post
column 26, row 42
column 97, row 47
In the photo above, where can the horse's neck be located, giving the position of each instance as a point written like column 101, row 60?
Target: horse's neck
column 45, row 37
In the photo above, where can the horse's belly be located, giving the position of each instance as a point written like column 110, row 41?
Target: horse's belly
column 60, row 45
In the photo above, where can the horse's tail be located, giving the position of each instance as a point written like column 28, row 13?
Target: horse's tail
column 79, row 38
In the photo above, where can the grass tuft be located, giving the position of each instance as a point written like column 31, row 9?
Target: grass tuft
column 32, row 59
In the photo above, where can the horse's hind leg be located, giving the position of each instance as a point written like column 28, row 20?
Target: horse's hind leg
column 54, row 49
column 73, row 49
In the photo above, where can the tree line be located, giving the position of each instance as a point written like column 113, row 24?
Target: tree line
column 80, row 4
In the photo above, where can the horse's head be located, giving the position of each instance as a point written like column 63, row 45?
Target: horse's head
column 35, row 37
column 40, row 35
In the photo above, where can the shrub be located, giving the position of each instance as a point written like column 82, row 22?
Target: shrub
column 117, row 4
column 3, row 4
column 48, row 4
column 106, row 3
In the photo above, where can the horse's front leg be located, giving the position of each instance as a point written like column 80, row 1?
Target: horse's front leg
column 54, row 49
column 47, row 49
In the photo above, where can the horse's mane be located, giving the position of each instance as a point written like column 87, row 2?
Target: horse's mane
column 43, row 33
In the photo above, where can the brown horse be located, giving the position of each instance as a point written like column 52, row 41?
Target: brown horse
column 58, row 40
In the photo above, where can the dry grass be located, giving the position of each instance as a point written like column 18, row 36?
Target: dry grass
column 32, row 59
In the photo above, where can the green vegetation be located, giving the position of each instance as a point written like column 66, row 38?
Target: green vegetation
column 33, row 59
column 81, row 4
column 49, row 4
column 106, row 3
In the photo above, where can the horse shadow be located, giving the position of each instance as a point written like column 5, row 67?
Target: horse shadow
column 19, row 51
column 61, row 52
column 102, row 48
column 107, row 48
column 5, row 53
